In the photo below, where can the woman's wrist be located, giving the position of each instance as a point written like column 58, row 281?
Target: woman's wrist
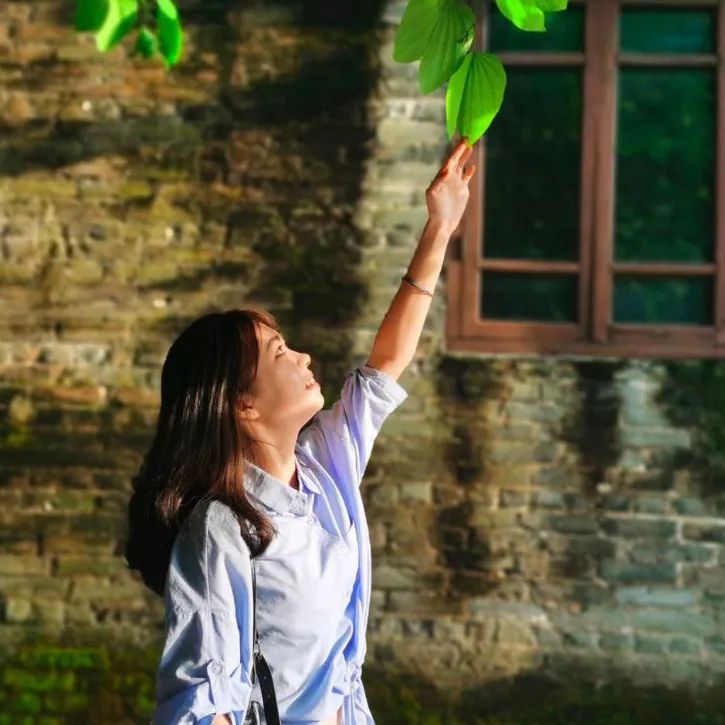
column 439, row 228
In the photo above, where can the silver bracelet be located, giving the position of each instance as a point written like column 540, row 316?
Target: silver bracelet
column 410, row 280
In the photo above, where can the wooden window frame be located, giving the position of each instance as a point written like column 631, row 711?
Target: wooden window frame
column 593, row 334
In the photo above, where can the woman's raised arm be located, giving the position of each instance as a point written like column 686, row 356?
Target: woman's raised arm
column 446, row 199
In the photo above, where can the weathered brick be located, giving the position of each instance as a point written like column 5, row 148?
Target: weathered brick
column 656, row 437
column 656, row 596
column 35, row 565
column 650, row 505
column 653, row 551
column 716, row 644
column 388, row 577
column 416, row 491
column 616, row 641
column 580, row 640
column 17, row 610
column 675, row 621
column 639, row 528
column 544, row 498
column 691, row 506
column 714, row 532
column 513, row 498
column 651, row 644
column 622, row 571
column 422, row 601
column 514, row 633
column 685, row 645
column 575, row 523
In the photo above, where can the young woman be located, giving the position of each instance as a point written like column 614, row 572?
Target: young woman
column 233, row 481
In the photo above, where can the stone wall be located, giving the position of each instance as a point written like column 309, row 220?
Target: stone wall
column 557, row 518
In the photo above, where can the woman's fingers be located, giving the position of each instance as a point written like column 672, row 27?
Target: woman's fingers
column 453, row 160
column 464, row 157
column 469, row 172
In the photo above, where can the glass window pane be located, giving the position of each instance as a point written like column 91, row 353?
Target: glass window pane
column 667, row 30
column 532, row 297
column 666, row 165
column 676, row 300
column 564, row 32
column 533, row 156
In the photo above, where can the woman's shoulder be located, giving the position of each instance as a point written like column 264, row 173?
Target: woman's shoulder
column 212, row 520
column 208, row 547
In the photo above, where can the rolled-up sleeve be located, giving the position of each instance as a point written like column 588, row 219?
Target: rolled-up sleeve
column 341, row 437
column 205, row 665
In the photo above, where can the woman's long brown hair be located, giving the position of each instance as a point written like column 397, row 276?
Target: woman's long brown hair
column 200, row 445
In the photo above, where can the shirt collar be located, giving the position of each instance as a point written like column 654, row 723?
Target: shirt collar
column 280, row 496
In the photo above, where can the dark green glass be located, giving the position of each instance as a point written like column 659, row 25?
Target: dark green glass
column 665, row 201
column 533, row 158
column 529, row 297
column 676, row 300
column 667, row 30
column 564, row 32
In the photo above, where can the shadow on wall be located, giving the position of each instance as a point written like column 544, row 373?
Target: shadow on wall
column 693, row 396
column 97, row 685
column 299, row 140
column 288, row 123
column 464, row 387
column 593, row 429
column 475, row 394
column 536, row 699
column 288, row 145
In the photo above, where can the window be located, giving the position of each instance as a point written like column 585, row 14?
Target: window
column 596, row 223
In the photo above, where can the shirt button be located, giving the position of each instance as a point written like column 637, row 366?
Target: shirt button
column 311, row 519
column 217, row 668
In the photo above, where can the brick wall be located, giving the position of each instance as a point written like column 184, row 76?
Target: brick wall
column 528, row 516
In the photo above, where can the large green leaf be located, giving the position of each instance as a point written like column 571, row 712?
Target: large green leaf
column 170, row 32
column 524, row 14
column 419, row 20
column 90, row 14
column 450, row 41
column 551, row 6
column 474, row 95
column 122, row 15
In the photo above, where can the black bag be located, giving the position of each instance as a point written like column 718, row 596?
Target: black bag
column 259, row 665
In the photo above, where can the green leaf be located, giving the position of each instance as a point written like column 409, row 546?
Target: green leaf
column 474, row 95
column 90, row 14
column 146, row 43
column 171, row 38
column 121, row 17
column 524, row 14
column 551, row 6
column 454, row 94
column 451, row 39
column 413, row 34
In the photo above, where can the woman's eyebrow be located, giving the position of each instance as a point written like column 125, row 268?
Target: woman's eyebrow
column 272, row 339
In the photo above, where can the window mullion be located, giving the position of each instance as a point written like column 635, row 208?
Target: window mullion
column 602, row 44
column 720, row 188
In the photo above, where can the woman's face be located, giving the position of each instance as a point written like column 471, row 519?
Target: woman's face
column 281, row 394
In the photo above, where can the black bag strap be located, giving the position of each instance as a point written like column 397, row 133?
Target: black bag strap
column 266, row 684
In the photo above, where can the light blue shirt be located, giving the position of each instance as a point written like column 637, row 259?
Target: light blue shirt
column 313, row 581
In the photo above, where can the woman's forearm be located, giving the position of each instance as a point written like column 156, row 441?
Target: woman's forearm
column 222, row 720
column 397, row 338
column 446, row 198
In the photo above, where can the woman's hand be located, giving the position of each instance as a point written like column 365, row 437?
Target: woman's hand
column 447, row 195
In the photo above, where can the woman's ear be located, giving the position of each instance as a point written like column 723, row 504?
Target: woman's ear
column 248, row 411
